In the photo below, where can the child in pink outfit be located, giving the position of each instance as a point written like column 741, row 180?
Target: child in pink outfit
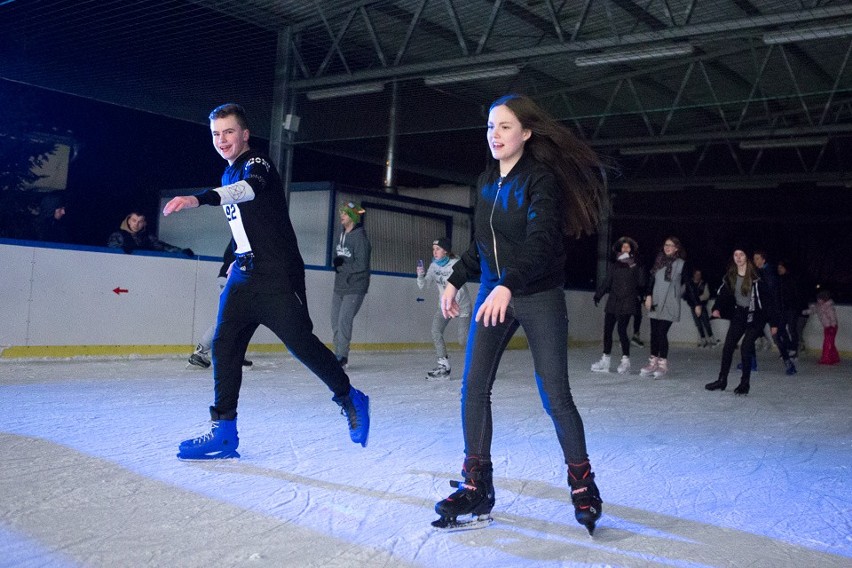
column 824, row 310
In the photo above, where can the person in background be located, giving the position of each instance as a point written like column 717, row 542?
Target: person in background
column 440, row 269
column 791, row 308
column 827, row 314
column 624, row 281
column 351, row 279
column 779, row 337
column 662, row 301
column 266, row 286
column 744, row 299
column 806, row 298
column 133, row 235
column 699, row 294
column 541, row 187
column 201, row 356
column 51, row 224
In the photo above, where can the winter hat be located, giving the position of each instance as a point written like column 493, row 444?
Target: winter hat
column 444, row 243
column 352, row 210
column 633, row 246
column 743, row 247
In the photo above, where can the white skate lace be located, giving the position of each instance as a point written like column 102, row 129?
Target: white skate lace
column 204, row 437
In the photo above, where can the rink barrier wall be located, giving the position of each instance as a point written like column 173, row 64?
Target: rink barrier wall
column 64, row 301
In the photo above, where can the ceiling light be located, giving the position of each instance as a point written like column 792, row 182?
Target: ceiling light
column 667, row 149
column 783, row 143
column 628, row 55
column 345, row 91
column 473, row 75
column 805, row 34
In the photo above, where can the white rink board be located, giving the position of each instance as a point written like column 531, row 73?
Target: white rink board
column 14, row 293
column 64, row 296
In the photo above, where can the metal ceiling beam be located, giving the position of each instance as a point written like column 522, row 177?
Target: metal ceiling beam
column 412, row 70
column 832, row 130
column 842, row 179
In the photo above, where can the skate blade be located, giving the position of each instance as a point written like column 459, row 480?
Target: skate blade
column 207, row 457
column 450, row 525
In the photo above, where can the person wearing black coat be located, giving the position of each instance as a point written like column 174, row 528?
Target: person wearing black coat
column 542, row 187
column 623, row 283
column 791, row 306
column 133, row 235
column 51, row 225
column 696, row 294
column 745, row 300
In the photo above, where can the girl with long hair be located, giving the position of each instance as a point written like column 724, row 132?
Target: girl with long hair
column 662, row 300
column 744, row 300
column 542, row 186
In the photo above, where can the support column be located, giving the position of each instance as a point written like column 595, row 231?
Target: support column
column 389, row 182
column 281, row 128
column 604, row 237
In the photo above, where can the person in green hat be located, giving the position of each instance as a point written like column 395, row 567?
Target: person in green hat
column 351, row 279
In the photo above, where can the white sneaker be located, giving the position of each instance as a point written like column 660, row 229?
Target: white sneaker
column 624, row 366
column 601, row 366
column 662, row 368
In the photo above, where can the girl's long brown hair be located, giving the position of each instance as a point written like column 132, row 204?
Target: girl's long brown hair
column 577, row 167
column 749, row 278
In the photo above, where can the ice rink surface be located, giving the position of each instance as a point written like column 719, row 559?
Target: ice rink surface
column 689, row 478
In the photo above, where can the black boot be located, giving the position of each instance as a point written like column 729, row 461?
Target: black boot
column 474, row 496
column 584, row 495
column 719, row 384
column 743, row 386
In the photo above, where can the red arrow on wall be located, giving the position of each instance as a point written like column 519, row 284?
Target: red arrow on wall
column 120, row 291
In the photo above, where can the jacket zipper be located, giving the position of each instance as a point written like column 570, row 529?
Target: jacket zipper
column 491, row 224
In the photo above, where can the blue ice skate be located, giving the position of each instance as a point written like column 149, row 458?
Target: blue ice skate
column 355, row 406
column 219, row 443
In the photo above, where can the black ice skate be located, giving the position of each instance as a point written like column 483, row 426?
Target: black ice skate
column 201, row 357
column 441, row 371
column 743, row 387
column 584, row 495
column 474, row 496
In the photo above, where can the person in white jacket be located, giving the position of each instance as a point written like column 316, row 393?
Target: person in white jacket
column 439, row 270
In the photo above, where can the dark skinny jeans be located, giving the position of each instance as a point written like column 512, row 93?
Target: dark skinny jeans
column 749, row 332
column 660, row 337
column 702, row 322
column 609, row 325
column 544, row 319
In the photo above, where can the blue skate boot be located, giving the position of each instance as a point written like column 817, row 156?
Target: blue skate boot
column 355, row 406
column 220, row 443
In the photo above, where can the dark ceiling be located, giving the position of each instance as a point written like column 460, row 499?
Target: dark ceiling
column 678, row 93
